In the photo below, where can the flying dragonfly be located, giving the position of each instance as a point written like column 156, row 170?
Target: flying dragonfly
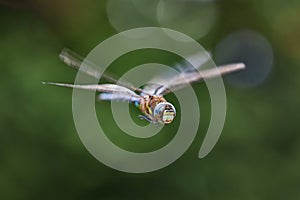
column 149, row 99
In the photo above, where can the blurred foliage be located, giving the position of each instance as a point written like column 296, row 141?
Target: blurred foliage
column 42, row 157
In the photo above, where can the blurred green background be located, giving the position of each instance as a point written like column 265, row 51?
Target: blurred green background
column 42, row 157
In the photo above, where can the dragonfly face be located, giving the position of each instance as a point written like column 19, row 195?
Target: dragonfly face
column 164, row 112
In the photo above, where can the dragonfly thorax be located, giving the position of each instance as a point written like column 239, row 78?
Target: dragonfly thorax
column 157, row 109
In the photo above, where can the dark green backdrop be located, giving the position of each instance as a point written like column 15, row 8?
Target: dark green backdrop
column 42, row 157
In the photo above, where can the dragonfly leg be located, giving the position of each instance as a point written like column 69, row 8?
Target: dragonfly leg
column 145, row 118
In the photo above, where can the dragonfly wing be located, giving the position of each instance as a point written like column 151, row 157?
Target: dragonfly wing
column 75, row 61
column 184, row 79
column 107, row 88
column 183, row 67
column 118, row 97
column 89, row 68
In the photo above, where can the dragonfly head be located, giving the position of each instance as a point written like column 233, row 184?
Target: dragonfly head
column 164, row 112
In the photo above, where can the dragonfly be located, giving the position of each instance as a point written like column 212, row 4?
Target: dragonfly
column 149, row 99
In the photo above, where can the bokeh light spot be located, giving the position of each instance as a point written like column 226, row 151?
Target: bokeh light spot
column 250, row 48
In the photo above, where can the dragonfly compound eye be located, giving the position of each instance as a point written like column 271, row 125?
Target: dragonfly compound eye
column 164, row 112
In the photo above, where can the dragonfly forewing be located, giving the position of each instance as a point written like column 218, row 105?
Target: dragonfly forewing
column 184, row 79
column 183, row 67
column 89, row 68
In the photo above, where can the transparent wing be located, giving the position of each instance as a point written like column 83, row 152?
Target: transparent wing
column 118, row 97
column 184, row 67
column 184, row 79
column 109, row 89
column 75, row 61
